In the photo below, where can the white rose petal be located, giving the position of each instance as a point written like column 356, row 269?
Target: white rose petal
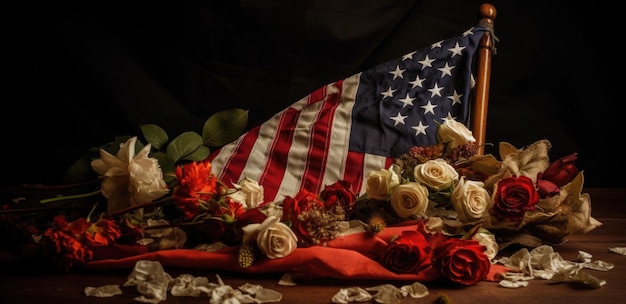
column 409, row 199
column 454, row 133
column 130, row 179
column 436, row 174
column 275, row 239
column 470, row 200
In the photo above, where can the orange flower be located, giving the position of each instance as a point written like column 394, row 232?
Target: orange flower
column 104, row 232
column 196, row 186
column 66, row 243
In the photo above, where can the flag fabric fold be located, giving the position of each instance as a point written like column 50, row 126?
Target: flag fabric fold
column 356, row 125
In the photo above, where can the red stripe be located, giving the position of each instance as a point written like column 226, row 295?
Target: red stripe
column 354, row 170
column 234, row 166
column 278, row 153
column 319, row 142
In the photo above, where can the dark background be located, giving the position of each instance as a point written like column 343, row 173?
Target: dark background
column 79, row 75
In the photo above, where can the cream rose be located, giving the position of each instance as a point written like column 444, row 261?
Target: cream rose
column 470, row 200
column 380, row 183
column 274, row 238
column 454, row 133
column 249, row 193
column 130, row 179
column 436, row 174
column 487, row 239
column 409, row 199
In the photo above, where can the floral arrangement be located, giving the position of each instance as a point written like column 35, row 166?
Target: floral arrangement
column 439, row 212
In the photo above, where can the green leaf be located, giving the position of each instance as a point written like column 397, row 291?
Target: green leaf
column 155, row 135
column 225, row 126
column 167, row 166
column 184, row 145
column 199, row 155
column 80, row 171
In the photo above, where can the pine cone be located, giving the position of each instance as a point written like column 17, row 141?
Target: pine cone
column 246, row 254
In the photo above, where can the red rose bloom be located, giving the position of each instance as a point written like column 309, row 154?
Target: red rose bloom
column 558, row 174
column 339, row 194
column 513, row 197
column 293, row 207
column 562, row 171
column 462, row 261
column 409, row 253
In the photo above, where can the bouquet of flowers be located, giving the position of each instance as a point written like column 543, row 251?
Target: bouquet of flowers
column 439, row 212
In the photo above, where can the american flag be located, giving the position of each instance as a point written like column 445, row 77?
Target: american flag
column 356, row 125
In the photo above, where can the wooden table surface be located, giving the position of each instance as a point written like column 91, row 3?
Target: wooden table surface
column 608, row 206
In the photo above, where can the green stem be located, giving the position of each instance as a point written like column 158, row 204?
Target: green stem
column 70, row 197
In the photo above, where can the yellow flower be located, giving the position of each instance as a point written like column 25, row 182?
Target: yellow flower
column 129, row 179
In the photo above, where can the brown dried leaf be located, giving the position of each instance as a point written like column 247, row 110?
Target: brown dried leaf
column 529, row 161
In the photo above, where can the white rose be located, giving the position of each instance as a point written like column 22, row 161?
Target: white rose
column 436, row 174
column 487, row 239
column 470, row 200
column 130, row 179
column 274, row 238
column 454, row 133
column 410, row 199
column 380, row 183
column 249, row 193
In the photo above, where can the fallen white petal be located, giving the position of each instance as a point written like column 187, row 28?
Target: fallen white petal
column 152, row 292
column 387, row 294
column 351, row 294
column 186, row 285
column 416, row 290
column 513, row 284
column 287, row 280
column 265, row 295
column 618, row 250
column 587, row 279
column 599, row 265
column 250, row 288
column 103, row 291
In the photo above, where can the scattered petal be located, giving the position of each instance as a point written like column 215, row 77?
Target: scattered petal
column 599, row 265
column 287, row 280
column 265, row 295
column 618, row 250
column 250, row 288
column 351, row 294
column 103, row 291
column 186, row 285
column 513, row 284
column 416, row 290
column 387, row 294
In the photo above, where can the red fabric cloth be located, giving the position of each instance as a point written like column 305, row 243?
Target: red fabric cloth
column 347, row 257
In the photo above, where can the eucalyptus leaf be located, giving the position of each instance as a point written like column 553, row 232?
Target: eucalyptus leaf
column 167, row 166
column 183, row 146
column 80, row 171
column 224, row 127
column 199, row 155
column 155, row 135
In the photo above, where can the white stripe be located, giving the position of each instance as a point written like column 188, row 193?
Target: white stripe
column 340, row 132
column 299, row 150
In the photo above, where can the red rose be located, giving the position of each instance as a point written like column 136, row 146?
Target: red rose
column 558, row 174
column 562, row 171
column 339, row 194
column 293, row 207
column 462, row 261
column 409, row 253
column 513, row 197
